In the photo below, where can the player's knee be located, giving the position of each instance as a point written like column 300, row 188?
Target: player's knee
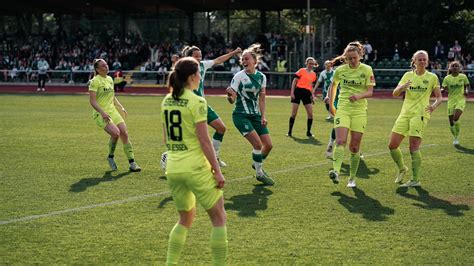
column 340, row 142
column 354, row 148
column 124, row 135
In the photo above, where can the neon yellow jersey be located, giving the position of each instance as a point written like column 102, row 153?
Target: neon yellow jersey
column 352, row 82
column 417, row 97
column 104, row 89
column 179, row 119
column 456, row 87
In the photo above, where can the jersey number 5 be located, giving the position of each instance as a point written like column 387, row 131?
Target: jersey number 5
column 173, row 125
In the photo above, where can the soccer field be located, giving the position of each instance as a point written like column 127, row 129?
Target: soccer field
column 60, row 204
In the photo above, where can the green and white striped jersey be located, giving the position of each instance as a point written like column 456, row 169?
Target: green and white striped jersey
column 204, row 66
column 248, row 87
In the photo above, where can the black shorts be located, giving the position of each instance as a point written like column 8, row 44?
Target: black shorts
column 302, row 95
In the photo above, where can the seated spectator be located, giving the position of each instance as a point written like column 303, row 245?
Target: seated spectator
column 119, row 81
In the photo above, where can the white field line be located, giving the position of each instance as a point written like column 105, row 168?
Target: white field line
column 142, row 197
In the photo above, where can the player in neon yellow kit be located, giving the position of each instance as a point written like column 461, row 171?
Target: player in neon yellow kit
column 356, row 82
column 213, row 118
column 105, row 104
column 457, row 85
column 417, row 84
column 192, row 169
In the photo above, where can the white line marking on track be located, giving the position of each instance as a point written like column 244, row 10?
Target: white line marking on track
column 137, row 198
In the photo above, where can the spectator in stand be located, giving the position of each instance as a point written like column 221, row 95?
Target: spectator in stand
column 451, row 55
column 439, row 50
column 119, row 81
column 405, row 52
column 116, row 65
column 368, row 50
column 43, row 67
column 457, row 51
column 396, row 53
column 174, row 59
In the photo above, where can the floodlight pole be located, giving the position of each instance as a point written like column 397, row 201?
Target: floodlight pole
column 308, row 29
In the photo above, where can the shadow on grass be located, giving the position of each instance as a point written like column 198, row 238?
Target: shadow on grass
column 165, row 201
column 308, row 140
column 370, row 208
column 429, row 202
column 462, row 149
column 84, row 183
column 362, row 172
column 247, row 205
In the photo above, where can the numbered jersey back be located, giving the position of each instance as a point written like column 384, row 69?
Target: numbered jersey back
column 179, row 119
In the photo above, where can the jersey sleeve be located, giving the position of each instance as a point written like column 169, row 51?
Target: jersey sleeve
column 93, row 85
column 404, row 78
column 234, row 84
column 264, row 81
column 370, row 78
column 199, row 110
column 298, row 73
column 466, row 80
column 445, row 82
column 207, row 64
column 335, row 78
column 321, row 75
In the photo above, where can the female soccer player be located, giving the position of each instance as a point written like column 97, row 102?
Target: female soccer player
column 213, row 118
column 418, row 85
column 302, row 91
column 457, row 85
column 356, row 82
column 192, row 169
column 247, row 90
column 326, row 77
column 105, row 104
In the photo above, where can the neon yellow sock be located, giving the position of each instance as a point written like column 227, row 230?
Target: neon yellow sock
column 416, row 164
column 175, row 243
column 397, row 157
column 338, row 157
column 355, row 159
column 128, row 149
column 219, row 245
column 457, row 126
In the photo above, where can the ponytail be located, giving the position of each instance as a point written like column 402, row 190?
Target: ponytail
column 354, row 46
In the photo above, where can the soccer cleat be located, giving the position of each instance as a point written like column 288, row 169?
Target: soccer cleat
column 329, row 153
column 266, row 180
column 411, row 183
column 351, row 183
column 329, row 118
column 134, row 167
column 401, row 174
column 288, row 134
column 361, row 155
column 43, row 89
column 456, row 141
column 38, row 89
column 112, row 164
column 263, row 171
column 334, row 176
column 221, row 163
column 309, row 134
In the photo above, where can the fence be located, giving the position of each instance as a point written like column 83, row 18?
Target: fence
column 385, row 78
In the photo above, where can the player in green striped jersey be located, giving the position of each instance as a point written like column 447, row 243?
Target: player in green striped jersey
column 213, row 118
column 457, row 85
column 247, row 90
column 417, row 84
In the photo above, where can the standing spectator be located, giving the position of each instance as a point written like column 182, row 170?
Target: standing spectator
column 281, row 69
column 43, row 66
column 116, row 65
column 439, row 50
column 396, row 53
column 405, row 51
column 367, row 50
column 451, row 54
column 457, row 51
column 119, row 81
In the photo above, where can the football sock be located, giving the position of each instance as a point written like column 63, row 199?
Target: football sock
column 397, row 157
column 457, row 126
column 338, row 157
column 453, row 130
column 355, row 159
column 257, row 160
column 219, row 245
column 333, row 134
column 127, row 148
column 309, row 124
column 416, row 164
column 217, row 141
column 175, row 243
column 112, row 146
column 292, row 122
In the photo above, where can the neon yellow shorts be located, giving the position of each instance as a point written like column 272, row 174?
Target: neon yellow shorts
column 114, row 115
column 186, row 187
column 458, row 105
column 354, row 120
column 412, row 126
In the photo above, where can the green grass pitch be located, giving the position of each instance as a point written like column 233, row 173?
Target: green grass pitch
column 59, row 204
